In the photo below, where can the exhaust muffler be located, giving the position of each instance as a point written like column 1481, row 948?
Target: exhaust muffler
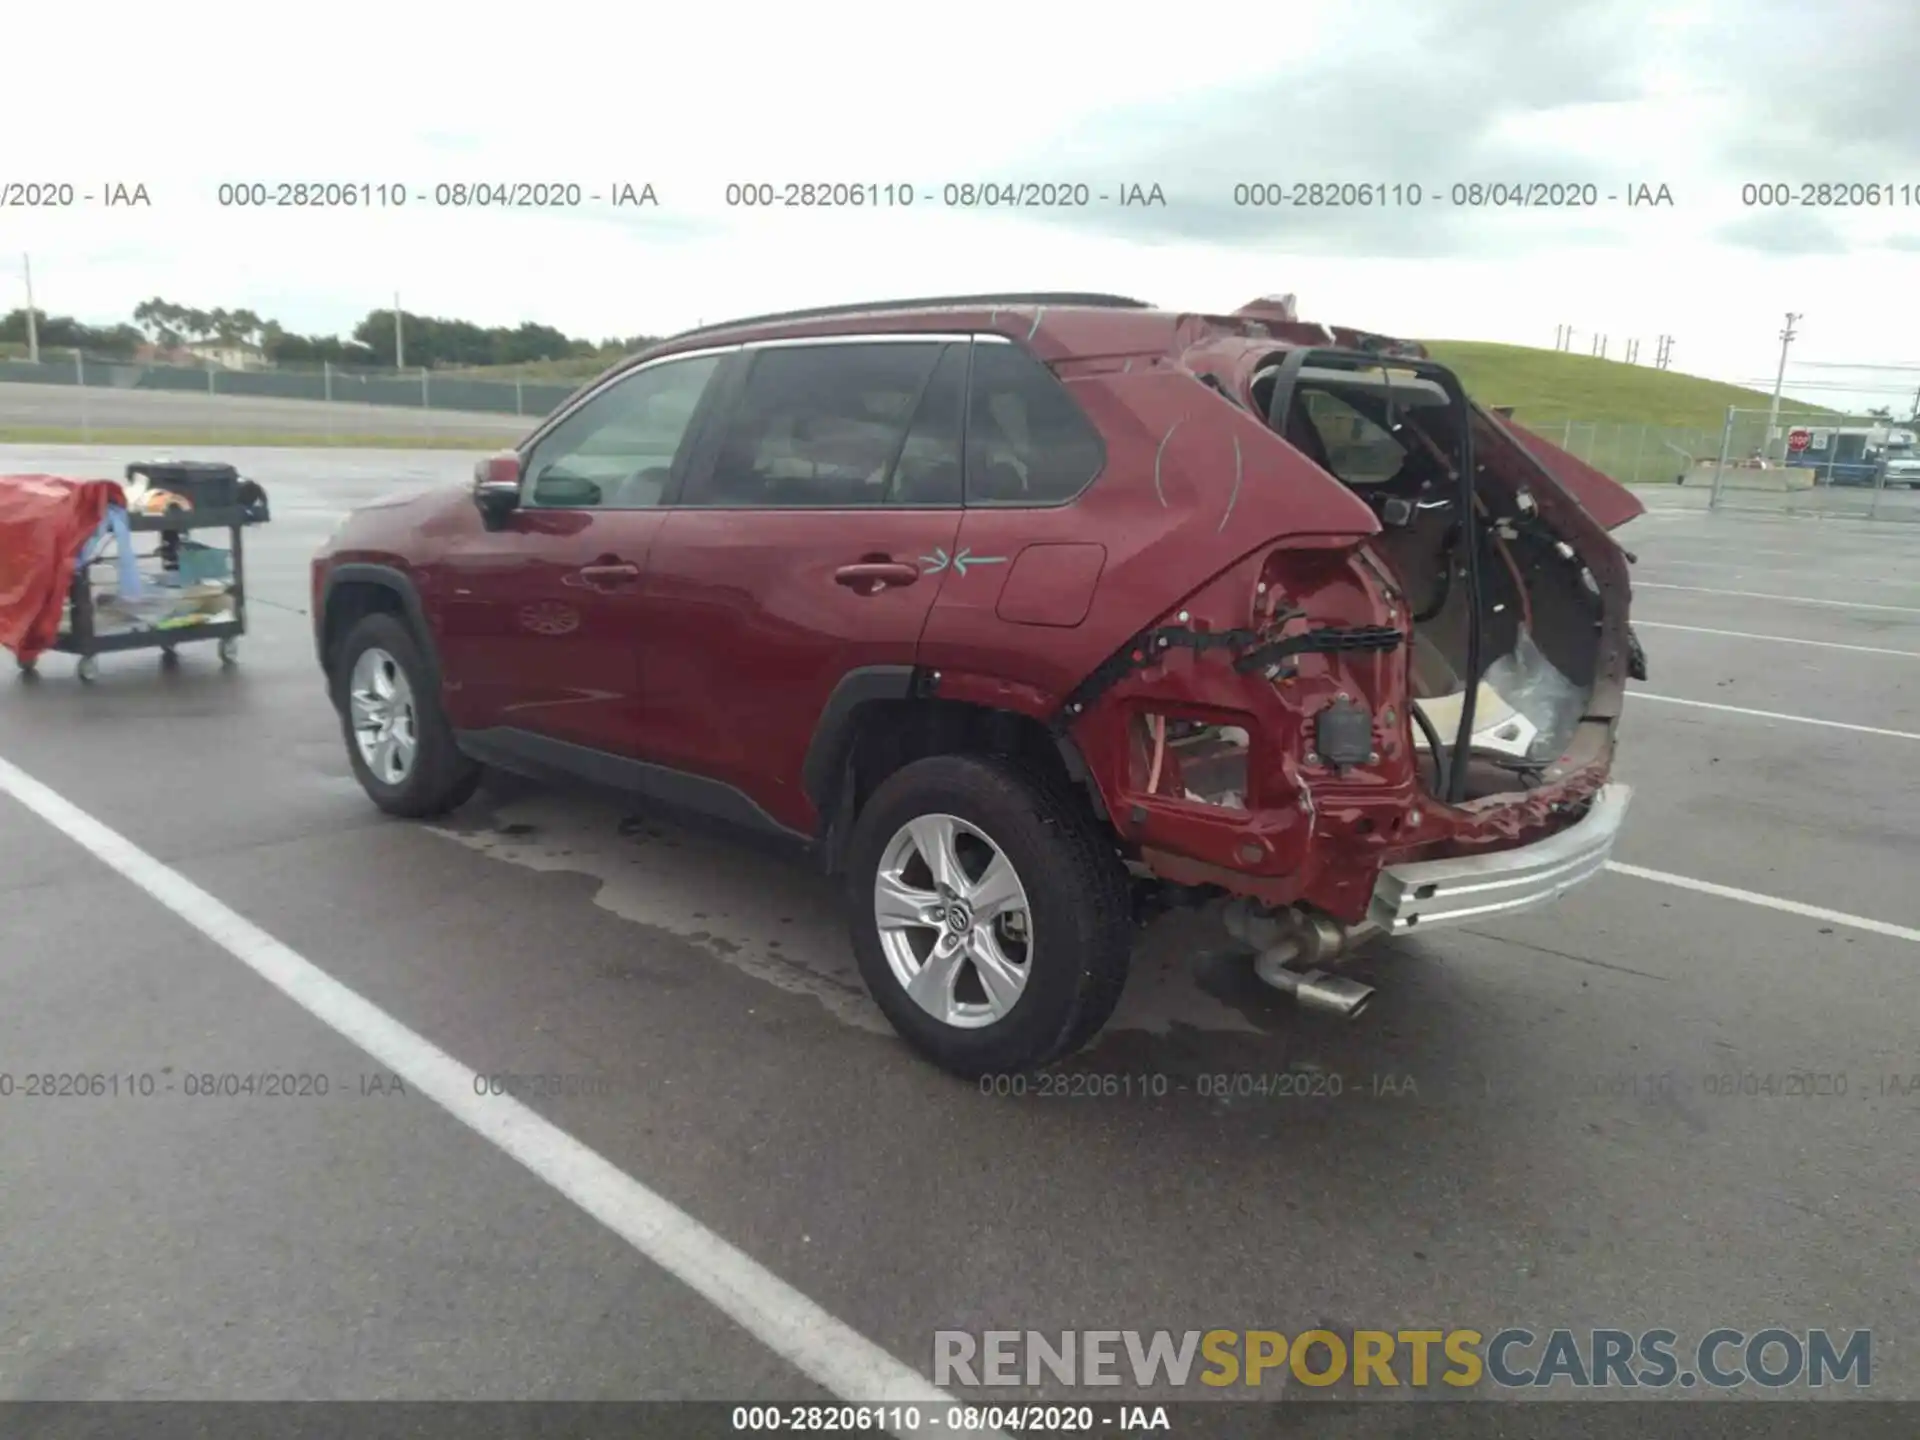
column 1290, row 947
column 1315, row 989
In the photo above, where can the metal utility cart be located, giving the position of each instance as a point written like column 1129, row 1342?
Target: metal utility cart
column 221, row 500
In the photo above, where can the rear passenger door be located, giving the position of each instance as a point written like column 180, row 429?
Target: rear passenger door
column 813, row 544
column 1027, row 556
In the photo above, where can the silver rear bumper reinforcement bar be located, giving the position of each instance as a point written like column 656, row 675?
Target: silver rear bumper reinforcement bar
column 1426, row 893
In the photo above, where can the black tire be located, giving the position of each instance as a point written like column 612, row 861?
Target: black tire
column 442, row 778
column 1077, row 892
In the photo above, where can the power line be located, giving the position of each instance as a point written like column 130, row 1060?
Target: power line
column 1850, row 365
column 1899, row 389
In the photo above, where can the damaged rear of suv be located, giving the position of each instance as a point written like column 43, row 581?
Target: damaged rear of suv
column 1404, row 718
column 1108, row 604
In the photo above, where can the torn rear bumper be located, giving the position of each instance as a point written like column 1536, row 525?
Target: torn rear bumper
column 1426, row 893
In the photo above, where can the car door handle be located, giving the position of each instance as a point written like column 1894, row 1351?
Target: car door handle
column 873, row 576
column 609, row 574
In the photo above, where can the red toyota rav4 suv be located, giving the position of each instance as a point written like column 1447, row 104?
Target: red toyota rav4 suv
column 1011, row 610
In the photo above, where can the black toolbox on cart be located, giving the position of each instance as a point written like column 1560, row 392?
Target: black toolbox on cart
column 204, row 484
column 207, row 484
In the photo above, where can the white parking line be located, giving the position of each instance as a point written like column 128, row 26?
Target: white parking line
column 1771, row 902
column 1773, row 639
column 1741, row 571
column 1725, row 528
column 830, row 1353
column 1775, row 715
column 1694, row 544
column 1790, row 599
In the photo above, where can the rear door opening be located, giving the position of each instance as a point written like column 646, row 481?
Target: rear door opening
column 1508, row 620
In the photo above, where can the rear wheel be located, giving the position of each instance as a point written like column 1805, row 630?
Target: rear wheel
column 990, row 916
column 398, row 741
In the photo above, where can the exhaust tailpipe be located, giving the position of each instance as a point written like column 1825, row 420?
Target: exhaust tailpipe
column 1314, row 989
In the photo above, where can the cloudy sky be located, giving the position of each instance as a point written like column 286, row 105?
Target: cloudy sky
column 1703, row 97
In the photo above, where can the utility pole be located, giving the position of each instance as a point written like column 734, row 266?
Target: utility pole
column 399, row 336
column 1780, row 378
column 33, row 324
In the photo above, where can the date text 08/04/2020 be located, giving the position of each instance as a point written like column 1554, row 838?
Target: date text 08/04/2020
column 1316, row 1084
column 193, row 1084
column 1011, row 1419
column 949, row 195
column 1273, row 194
column 443, row 195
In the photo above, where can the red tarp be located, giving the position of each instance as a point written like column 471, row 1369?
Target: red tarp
column 44, row 520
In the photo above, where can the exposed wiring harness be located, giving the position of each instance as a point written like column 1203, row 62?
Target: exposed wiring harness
column 1434, row 742
column 1254, row 651
column 1500, row 544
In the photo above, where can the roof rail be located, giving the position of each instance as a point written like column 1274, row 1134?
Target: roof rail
column 1007, row 300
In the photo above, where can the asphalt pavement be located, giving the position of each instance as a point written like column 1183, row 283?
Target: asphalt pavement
column 1559, row 1119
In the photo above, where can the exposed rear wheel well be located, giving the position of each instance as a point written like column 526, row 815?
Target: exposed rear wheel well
column 886, row 735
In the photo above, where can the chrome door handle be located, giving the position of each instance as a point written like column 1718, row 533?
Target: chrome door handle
column 876, row 575
column 609, row 574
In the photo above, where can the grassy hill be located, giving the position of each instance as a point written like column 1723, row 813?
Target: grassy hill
column 1633, row 421
column 1545, row 386
column 1550, row 385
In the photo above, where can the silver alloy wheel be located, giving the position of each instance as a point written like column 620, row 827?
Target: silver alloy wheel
column 385, row 729
column 954, row 921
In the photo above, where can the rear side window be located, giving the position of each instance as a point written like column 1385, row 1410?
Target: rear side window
column 819, row 426
column 1027, row 441
column 1358, row 451
column 927, row 471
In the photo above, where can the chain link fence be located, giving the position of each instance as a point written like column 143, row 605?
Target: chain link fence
column 1632, row 454
column 1805, row 462
column 338, row 384
column 1814, row 463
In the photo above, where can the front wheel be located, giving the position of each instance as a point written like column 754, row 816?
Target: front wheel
column 398, row 741
column 989, row 914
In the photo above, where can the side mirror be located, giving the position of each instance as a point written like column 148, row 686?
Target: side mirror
column 496, row 487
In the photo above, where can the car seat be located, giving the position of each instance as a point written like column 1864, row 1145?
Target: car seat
column 1304, row 435
column 995, row 480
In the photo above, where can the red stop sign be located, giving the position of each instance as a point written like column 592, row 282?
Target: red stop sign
column 1798, row 440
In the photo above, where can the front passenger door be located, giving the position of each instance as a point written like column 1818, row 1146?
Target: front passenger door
column 539, row 618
